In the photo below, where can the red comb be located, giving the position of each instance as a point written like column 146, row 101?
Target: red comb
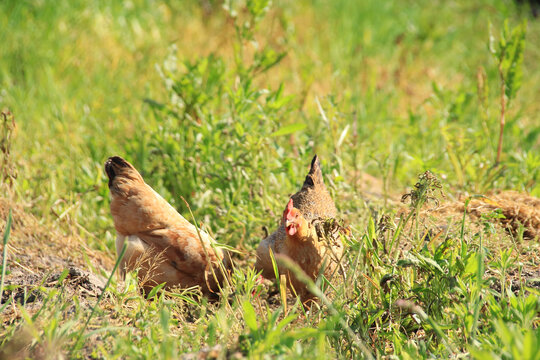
column 288, row 209
column 290, row 205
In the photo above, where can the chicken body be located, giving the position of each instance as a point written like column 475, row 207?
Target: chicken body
column 161, row 242
column 296, row 236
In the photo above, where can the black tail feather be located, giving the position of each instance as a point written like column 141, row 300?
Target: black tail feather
column 315, row 174
column 112, row 163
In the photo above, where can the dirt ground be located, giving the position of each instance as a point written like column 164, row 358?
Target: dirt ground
column 38, row 256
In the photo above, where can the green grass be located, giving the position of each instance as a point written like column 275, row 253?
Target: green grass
column 226, row 108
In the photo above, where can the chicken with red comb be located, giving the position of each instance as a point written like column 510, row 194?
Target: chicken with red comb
column 297, row 237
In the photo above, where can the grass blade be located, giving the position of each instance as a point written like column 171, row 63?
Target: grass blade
column 4, row 253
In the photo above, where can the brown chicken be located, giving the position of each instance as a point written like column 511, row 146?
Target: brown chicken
column 161, row 242
column 297, row 237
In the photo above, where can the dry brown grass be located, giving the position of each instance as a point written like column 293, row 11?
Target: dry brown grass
column 519, row 211
column 521, row 214
column 36, row 248
column 36, row 256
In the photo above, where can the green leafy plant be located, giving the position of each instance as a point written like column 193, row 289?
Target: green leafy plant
column 216, row 138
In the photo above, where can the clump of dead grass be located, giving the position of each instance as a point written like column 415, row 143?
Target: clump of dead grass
column 521, row 212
